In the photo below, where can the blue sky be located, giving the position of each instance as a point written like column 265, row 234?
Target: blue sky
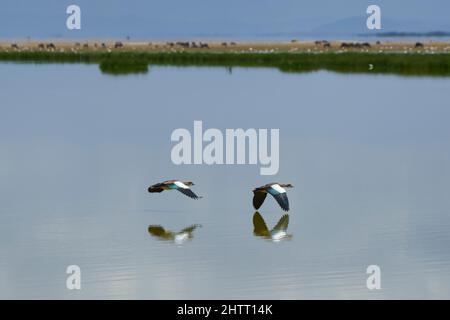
column 147, row 18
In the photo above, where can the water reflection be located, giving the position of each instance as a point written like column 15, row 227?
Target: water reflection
column 380, row 169
column 278, row 233
column 177, row 237
column 123, row 67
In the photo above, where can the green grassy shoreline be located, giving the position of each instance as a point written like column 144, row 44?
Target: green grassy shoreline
column 124, row 62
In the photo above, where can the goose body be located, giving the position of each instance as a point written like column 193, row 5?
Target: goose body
column 275, row 189
column 183, row 187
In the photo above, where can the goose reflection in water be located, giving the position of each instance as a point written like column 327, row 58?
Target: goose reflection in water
column 177, row 237
column 278, row 233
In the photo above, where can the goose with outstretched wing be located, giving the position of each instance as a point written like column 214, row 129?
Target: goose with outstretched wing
column 277, row 190
column 183, row 187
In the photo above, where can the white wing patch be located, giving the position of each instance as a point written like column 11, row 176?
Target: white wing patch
column 277, row 236
column 181, row 238
column 181, row 185
column 277, row 188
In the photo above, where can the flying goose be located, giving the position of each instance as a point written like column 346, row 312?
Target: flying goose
column 183, row 187
column 279, row 232
column 178, row 237
column 276, row 190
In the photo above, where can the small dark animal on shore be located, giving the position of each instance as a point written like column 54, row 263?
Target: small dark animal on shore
column 118, row 44
column 204, row 45
column 103, row 45
column 224, row 44
column 193, row 45
column 170, row 44
column 355, row 45
column 77, row 44
column 233, row 43
column 418, row 45
column 85, row 45
column 41, row 46
column 183, row 44
column 321, row 42
column 378, row 42
column 14, row 46
column 327, row 45
column 50, row 46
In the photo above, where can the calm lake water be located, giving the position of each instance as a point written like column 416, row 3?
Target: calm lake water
column 369, row 157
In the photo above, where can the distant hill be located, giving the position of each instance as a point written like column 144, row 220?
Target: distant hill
column 390, row 27
column 393, row 34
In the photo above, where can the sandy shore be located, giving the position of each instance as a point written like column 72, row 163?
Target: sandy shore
column 227, row 46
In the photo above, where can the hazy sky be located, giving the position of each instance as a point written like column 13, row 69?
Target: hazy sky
column 46, row 18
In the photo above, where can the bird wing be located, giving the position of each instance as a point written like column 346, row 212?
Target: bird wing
column 189, row 193
column 258, row 199
column 280, row 195
column 190, row 229
column 282, row 224
column 180, row 184
column 155, row 189
column 282, row 200
column 259, row 225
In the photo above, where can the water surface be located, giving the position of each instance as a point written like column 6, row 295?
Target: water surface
column 368, row 156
